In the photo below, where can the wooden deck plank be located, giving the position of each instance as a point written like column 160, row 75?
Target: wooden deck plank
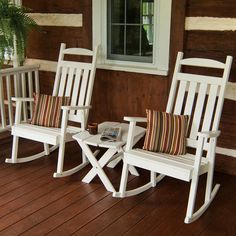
column 139, row 212
column 65, row 215
column 51, row 209
column 82, row 219
column 165, row 205
column 117, row 211
column 73, row 209
column 33, row 203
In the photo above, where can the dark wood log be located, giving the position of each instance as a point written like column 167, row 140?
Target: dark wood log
column 212, row 8
column 46, row 45
column 58, row 6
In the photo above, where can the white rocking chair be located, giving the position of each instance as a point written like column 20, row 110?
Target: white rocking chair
column 188, row 96
column 74, row 79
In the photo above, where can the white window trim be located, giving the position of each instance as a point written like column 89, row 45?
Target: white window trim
column 160, row 65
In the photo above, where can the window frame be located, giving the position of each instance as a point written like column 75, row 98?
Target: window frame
column 160, row 64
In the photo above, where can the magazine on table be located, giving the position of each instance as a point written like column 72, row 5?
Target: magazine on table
column 111, row 134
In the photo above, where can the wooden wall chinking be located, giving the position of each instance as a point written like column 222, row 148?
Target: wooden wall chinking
column 117, row 93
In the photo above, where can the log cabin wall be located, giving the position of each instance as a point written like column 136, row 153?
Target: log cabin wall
column 210, row 31
column 61, row 21
column 117, row 93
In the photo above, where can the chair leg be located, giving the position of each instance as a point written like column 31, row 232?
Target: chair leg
column 190, row 216
column 209, row 194
column 210, row 172
column 46, row 149
column 124, row 179
column 60, row 161
column 191, row 199
column 15, row 149
column 153, row 178
column 209, row 183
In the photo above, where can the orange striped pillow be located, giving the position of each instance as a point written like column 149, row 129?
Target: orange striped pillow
column 47, row 110
column 166, row 133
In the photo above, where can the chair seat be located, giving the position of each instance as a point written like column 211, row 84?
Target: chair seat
column 180, row 167
column 43, row 134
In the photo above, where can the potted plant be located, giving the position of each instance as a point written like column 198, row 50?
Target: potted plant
column 14, row 27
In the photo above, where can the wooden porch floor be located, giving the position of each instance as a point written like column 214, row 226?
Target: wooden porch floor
column 33, row 203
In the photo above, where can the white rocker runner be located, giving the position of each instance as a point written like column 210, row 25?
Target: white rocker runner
column 112, row 156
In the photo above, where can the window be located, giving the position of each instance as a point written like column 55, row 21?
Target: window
column 134, row 34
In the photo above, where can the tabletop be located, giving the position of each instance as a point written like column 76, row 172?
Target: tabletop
column 95, row 140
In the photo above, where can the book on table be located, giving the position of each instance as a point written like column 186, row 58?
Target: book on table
column 111, row 134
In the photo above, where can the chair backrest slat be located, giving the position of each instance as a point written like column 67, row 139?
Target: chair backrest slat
column 83, row 89
column 76, row 88
column 190, row 98
column 199, row 96
column 198, row 110
column 62, row 81
column 30, row 88
column 212, row 96
column 180, row 97
column 70, row 81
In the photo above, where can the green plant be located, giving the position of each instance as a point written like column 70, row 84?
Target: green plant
column 14, row 27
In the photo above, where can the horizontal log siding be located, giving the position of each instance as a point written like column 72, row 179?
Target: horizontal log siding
column 58, row 6
column 216, row 45
column 118, row 94
column 46, row 45
column 211, row 8
column 212, row 44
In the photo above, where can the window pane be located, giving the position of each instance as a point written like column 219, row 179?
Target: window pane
column 133, row 40
column 130, row 30
column 117, row 39
column 118, row 11
column 133, row 11
column 149, row 33
column 147, row 40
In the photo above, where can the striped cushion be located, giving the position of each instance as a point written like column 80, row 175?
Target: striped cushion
column 47, row 110
column 166, row 133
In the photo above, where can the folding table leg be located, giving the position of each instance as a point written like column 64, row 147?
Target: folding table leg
column 102, row 162
column 97, row 167
column 115, row 161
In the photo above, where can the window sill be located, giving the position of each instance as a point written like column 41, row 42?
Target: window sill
column 134, row 69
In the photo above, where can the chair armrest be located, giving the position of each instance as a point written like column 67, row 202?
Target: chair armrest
column 65, row 114
column 209, row 134
column 19, row 102
column 70, row 108
column 135, row 119
column 200, row 145
column 16, row 99
column 131, row 131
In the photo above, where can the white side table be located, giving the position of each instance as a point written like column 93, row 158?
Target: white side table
column 113, row 154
